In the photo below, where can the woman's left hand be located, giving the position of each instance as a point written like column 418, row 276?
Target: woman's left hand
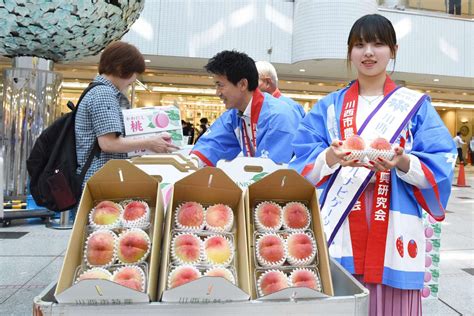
column 400, row 161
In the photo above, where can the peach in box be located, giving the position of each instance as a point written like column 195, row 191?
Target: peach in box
column 219, row 217
column 296, row 216
column 218, row 250
column 186, row 248
column 100, row 248
column 105, row 213
column 182, row 275
column 94, row 274
column 133, row 246
column 190, row 216
column 131, row 277
column 221, row 272
column 301, row 248
column 304, row 278
column 134, row 210
column 268, row 216
column 272, row 281
column 271, row 250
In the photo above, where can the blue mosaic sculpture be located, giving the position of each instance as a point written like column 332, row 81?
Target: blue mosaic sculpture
column 63, row 30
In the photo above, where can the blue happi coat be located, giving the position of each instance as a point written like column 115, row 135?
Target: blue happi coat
column 275, row 121
column 425, row 137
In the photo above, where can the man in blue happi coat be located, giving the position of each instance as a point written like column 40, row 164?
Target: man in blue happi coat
column 255, row 123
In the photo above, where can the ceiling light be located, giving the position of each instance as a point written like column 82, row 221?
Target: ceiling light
column 302, row 70
column 464, row 93
column 147, row 61
column 320, row 84
column 288, row 82
column 435, row 79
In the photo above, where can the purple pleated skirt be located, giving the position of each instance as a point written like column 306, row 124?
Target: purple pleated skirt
column 388, row 301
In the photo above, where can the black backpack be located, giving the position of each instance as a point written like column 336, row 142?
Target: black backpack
column 52, row 163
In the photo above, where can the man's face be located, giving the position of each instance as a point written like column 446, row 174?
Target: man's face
column 232, row 95
column 264, row 83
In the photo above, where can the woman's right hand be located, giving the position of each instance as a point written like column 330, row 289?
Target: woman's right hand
column 161, row 144
column 336, row 154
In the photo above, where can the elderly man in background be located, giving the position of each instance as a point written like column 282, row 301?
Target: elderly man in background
column 268, row 82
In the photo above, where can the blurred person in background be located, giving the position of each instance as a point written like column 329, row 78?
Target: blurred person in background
column 268, row 82
column 459, row 142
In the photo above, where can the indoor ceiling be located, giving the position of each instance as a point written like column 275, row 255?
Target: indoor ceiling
column 319, row 76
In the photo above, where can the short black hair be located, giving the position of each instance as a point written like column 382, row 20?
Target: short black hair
column 204, row 120
column 235, row 66
column 458, row 133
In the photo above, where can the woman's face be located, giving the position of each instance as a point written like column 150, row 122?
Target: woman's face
column 371, row 59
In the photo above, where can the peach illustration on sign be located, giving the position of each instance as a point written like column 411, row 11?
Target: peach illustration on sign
column 134, row 210
column 161, row 120
column 131, row 277
column 380, row 144
column 272, row 281
column 355, row 142
column 182, row 275
column 133, row 246
column 100, row 248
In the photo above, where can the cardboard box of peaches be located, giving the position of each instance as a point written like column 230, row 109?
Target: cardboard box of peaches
column 113, row 255
column 208, row 250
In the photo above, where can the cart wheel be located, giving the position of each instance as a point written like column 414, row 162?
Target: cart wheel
column 44, row 218
column 6, row 223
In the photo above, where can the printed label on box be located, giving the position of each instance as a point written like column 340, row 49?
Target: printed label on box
column 151, row 120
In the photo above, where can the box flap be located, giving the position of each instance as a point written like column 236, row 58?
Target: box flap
column 120, row 170
column 167, row 168
column 210, row 177
column 293, row 293
column 247, row 170
column 290, row 184
column 205, row 290
column 104, row 292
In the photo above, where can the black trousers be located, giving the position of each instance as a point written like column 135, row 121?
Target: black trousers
column 461, row 158
column 454, row 7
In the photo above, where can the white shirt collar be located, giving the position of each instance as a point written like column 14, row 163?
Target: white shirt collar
column 248, row 110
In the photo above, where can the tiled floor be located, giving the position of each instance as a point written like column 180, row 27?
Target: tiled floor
column 28, row 264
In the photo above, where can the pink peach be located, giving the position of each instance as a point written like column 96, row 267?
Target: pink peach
column 133, row 246
column 218, row 216
column 380, row 144
column 131, row 277
column 191, row 214
column 187, row 248
column 218, row 250
column 271, row 248
column 295, row 216
column 272, row 281
column 105, row 215
column 269, row 214
column 134, row 210
column 304, row 278
column 100, row 248
column 355, row 142
column 182, row 275
column 300, row 246
column 95, row 274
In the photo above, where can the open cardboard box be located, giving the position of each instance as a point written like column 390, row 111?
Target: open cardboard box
column 287, row 185
column 116, row 180
column 247, row 170
column 208, row 186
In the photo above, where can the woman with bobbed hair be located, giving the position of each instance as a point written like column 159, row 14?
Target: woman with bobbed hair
column 99, row 115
